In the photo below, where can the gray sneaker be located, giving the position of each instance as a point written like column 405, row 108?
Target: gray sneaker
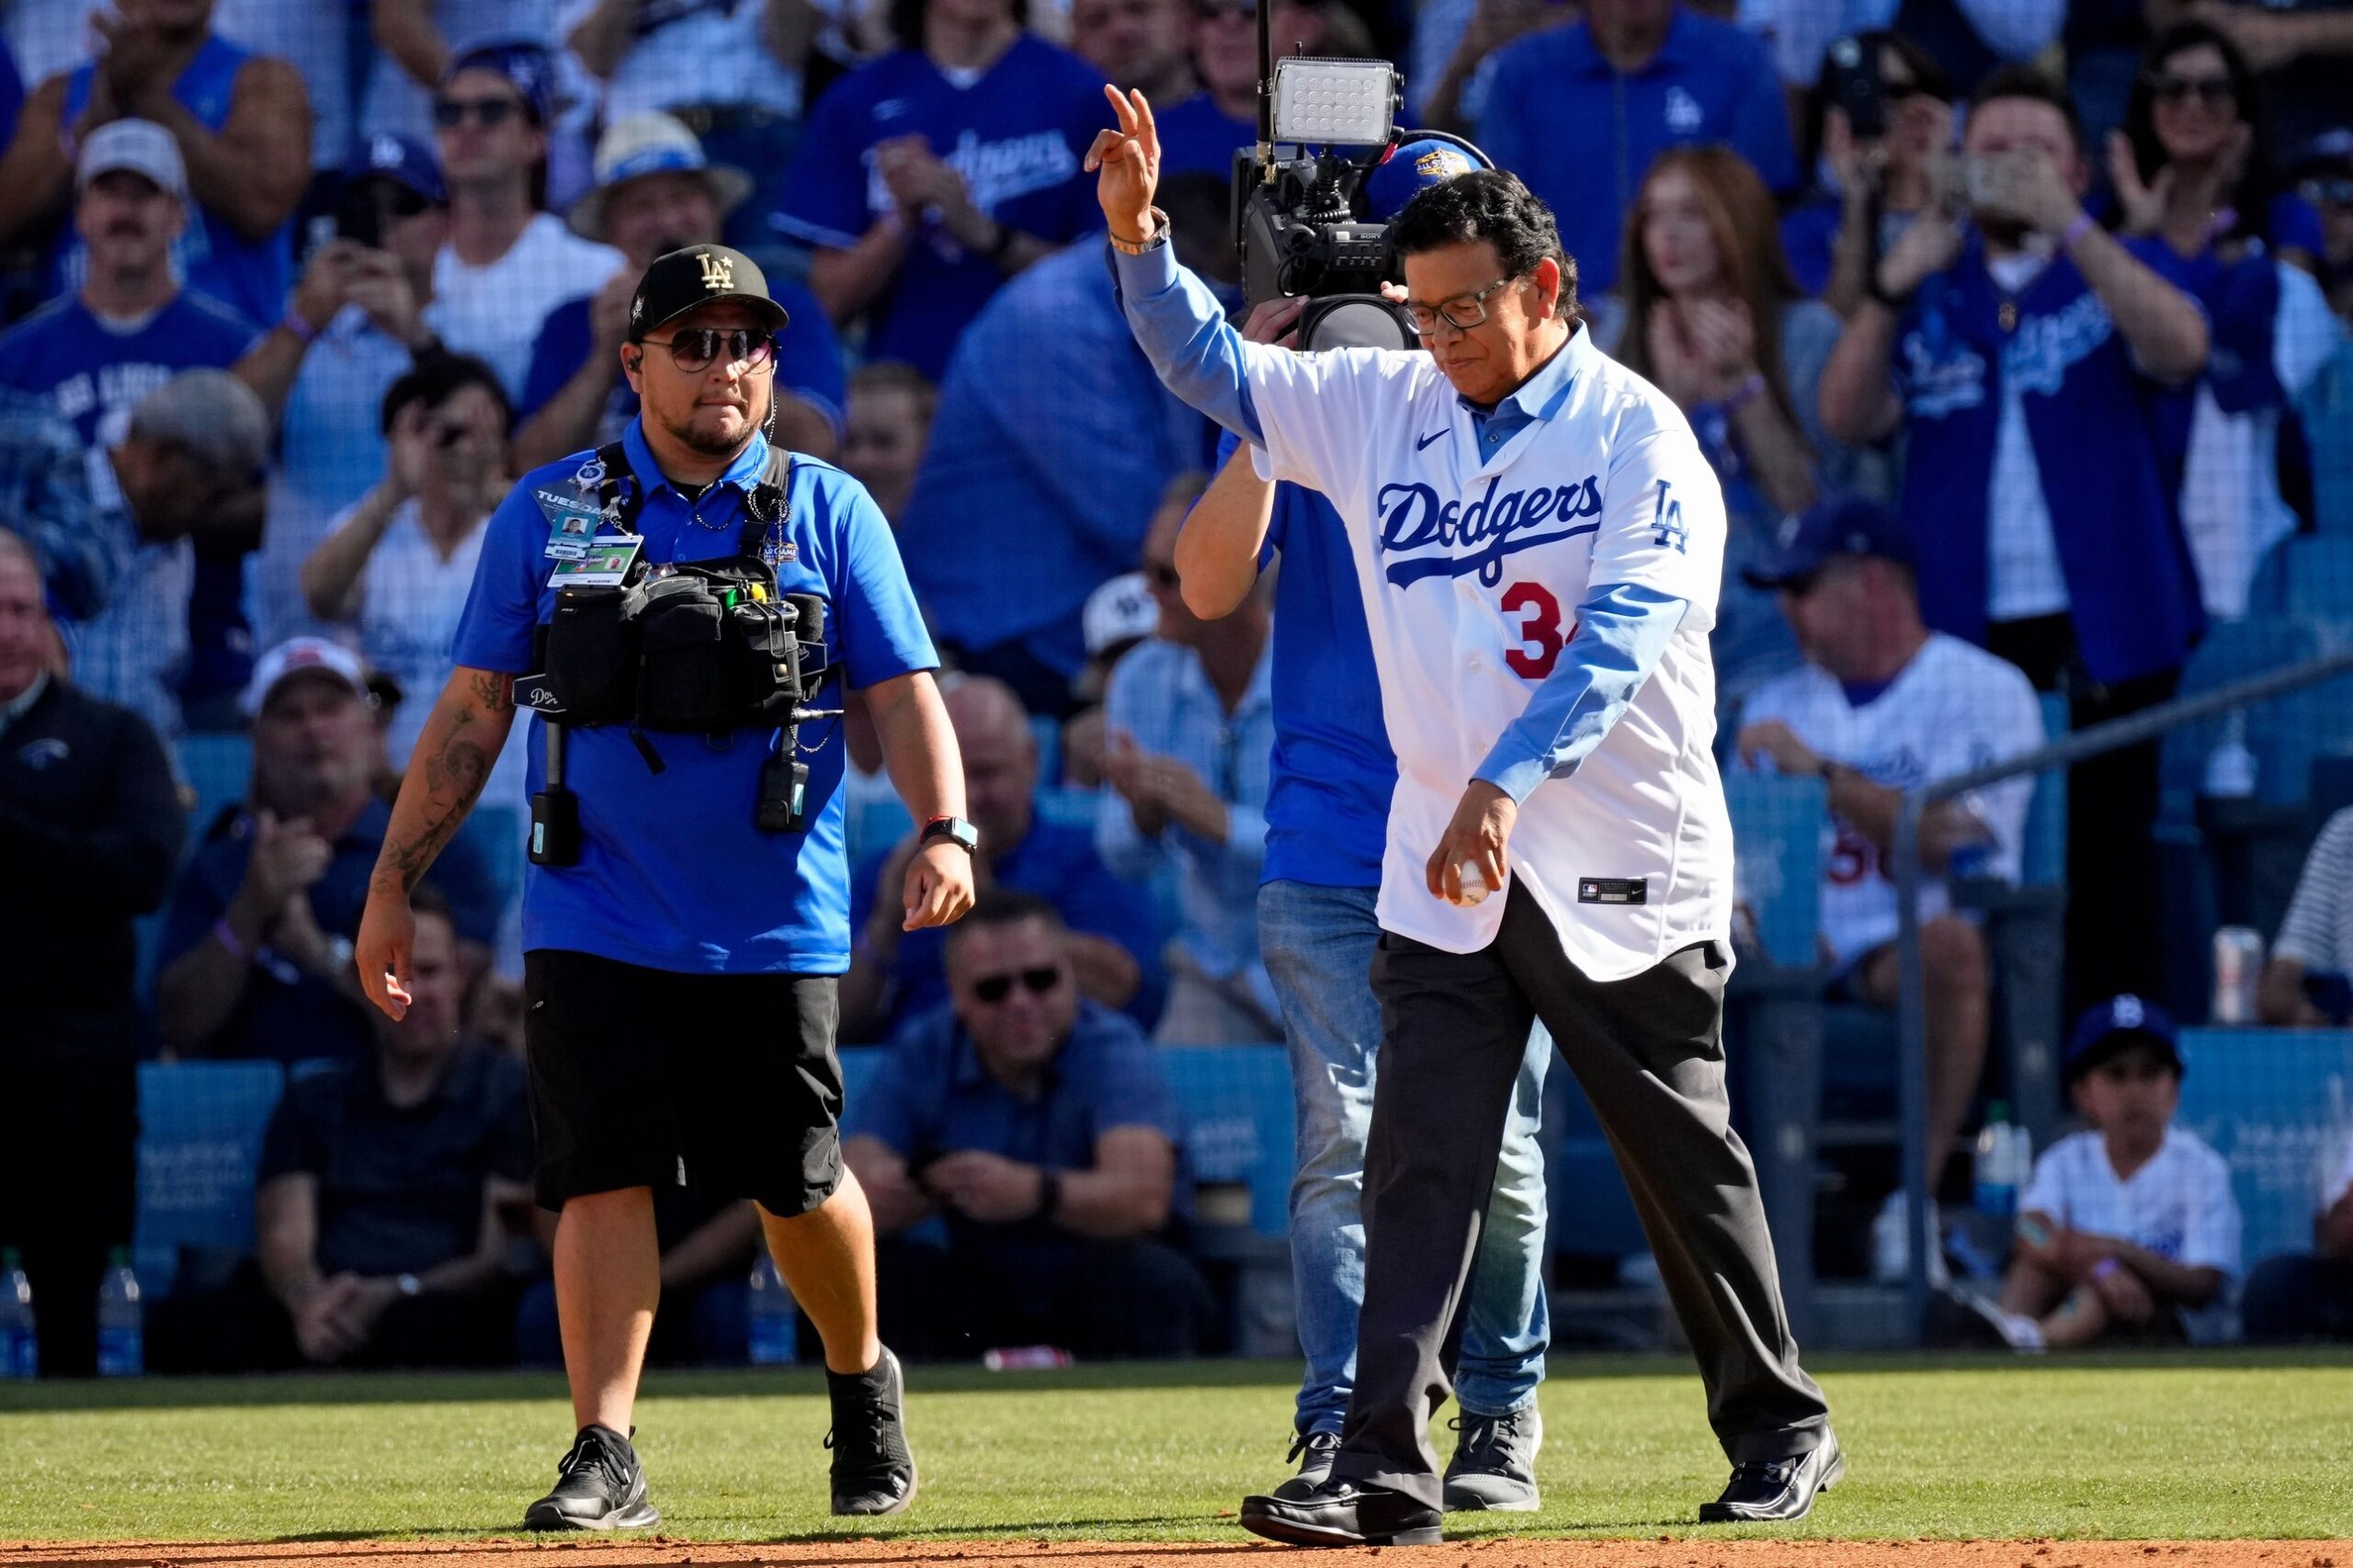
column 1494, row 1468
column 1315, row 1452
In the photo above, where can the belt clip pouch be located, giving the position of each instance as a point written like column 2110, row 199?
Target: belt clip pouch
column 784, row 795
column 592, row 654
column 684, row 682
column 555, row 828
column 767, row 658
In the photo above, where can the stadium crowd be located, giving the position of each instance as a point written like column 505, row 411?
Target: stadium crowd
column 2007, row 360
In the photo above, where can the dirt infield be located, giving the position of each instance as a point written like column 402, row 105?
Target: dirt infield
column 1667, row 1551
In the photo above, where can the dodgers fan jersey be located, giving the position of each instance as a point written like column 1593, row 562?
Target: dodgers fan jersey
column 1954, row 708
column 2179, row 1205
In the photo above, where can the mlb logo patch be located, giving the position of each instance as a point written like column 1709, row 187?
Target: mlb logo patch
column 1613, row 890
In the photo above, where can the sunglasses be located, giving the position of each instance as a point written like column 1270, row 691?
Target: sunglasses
column 2181, row 89
column 995, row 988
column 696, row 348
column 451, row 113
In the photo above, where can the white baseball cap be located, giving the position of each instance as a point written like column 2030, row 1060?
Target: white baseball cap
column 295, row 656
column 652, row 144
column 140, row 145
column 1121, row 611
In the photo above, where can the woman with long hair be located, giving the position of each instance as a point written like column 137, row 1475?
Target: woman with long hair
column 1868, row 188
column 2190, row 170
column 1715, row 320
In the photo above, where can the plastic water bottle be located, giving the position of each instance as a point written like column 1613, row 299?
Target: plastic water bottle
column 2230, row 767
column 120, row 1351
column 2005, row 1159
column 19, row 1344
column 771, row 1312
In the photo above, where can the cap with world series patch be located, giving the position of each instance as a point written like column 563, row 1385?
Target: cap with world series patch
column 696, row 276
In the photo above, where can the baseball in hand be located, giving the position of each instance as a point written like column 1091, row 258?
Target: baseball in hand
column 1474, row 884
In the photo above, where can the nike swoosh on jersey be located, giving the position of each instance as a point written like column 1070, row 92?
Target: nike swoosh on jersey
column 1423, row 445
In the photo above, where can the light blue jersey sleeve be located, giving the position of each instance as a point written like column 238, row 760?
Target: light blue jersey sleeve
column 1182, row 331
column 1622, row 631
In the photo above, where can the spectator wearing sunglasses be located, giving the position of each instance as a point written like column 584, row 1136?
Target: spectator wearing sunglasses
column 2300, row 51
column 508, row 261
column 655, row 192
column 415, row 42
column 1039, row 1129
column 2191, row 169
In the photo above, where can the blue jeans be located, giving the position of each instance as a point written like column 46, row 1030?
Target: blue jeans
column 1317, row 944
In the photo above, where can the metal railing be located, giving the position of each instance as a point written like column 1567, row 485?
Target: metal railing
column 1911, row 1022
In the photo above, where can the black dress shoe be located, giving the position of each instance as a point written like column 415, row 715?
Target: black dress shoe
column 1768, row 1491
column 1341, row 1513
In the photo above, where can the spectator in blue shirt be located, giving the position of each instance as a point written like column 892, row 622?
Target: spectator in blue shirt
column 1143, row 44
column 1188, row 738
column 1578, row 112
column 1113, row 940
column 656, row 193
column 927, row 178
column 243, row 124
column 1050, row 425
column 1040, row 1129
column 2018, row 360
column 255, row 956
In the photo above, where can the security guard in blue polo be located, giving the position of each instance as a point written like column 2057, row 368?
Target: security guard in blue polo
column 681, row 611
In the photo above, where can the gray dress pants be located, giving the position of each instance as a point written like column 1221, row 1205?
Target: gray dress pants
column 1648, row 1053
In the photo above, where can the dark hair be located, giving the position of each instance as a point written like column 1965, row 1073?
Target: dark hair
column 438, row 377
column 2251, row 198
column 907, row 20
column 426, row 898
column 1005, row 906
column 1926, row 76
column 2036, row 87
column 1492, row 207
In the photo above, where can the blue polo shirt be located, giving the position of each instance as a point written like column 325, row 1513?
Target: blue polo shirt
column 1016, row 134
column 2131, row 589
column 932, row 1097
column 285, row 1013
column 1581, row 134
column 1328, row 804
column 1196, row 136
column 674, row 874
column 1056, row 861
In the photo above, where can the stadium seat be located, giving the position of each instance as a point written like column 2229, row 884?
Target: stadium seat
column 200, row 1125
column 1236, row 1102
column 2327, row 410
column 2284, row 734
column 2275, row 1104
column 2308, row 577
column 1776, row 839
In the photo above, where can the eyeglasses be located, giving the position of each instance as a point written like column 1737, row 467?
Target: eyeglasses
column 2327, row 192
column 1462, row 312
column 995, row 988
column 2181, row 89
column 696, row 348
column 451, row 113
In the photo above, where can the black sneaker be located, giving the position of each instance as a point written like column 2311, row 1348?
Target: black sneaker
column 873, row 1471
column 1341, row 1513
column 1770, row 1491
column 1494, row 1468
column 1315, row 1469
column 602, row 1488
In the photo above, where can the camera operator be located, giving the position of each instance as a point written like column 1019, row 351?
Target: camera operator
column 1611, row 922
column 686, row 917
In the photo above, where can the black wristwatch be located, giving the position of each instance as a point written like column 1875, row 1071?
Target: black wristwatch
column 954, row 830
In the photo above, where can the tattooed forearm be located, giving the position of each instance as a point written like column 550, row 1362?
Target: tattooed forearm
column 446, row 774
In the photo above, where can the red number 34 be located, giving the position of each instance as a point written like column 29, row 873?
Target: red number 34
column 1541, row 635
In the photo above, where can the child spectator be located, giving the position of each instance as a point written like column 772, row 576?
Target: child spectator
column 2128, row 1232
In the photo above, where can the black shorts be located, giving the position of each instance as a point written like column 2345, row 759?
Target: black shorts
column 726, row 1083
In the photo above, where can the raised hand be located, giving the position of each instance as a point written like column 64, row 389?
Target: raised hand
column 1126, row 163
column 2143, row 201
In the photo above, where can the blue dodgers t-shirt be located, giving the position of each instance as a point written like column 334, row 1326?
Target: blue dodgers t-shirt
column 248, row 274
column 673, row 873
column 1328, row 803
column 1582, row 135
column 932, row 1097
column 1055, row 861
column 1017, row 136
column 285, row 1013
column 808, row 358
column 1196, row 136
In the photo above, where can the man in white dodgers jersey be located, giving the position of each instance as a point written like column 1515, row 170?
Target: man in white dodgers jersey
column 1883, row 705
column 1539, row 541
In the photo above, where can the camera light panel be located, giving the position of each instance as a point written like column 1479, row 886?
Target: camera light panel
column 1334, row 103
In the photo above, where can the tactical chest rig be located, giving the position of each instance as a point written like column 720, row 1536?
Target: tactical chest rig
column 702, row 647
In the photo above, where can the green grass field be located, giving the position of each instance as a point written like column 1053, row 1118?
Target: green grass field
column 2214, row 1445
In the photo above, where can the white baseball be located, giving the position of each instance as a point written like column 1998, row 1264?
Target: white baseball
column 1474, row 884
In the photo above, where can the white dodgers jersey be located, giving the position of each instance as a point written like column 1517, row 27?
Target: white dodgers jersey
column 1473, row 569
column 1954, row 708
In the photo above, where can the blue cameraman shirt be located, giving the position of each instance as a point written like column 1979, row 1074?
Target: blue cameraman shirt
column 673, row 873
column 1327, row 806
column 1015, row 135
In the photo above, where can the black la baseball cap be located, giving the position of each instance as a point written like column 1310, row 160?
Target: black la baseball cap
column 699, row 275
